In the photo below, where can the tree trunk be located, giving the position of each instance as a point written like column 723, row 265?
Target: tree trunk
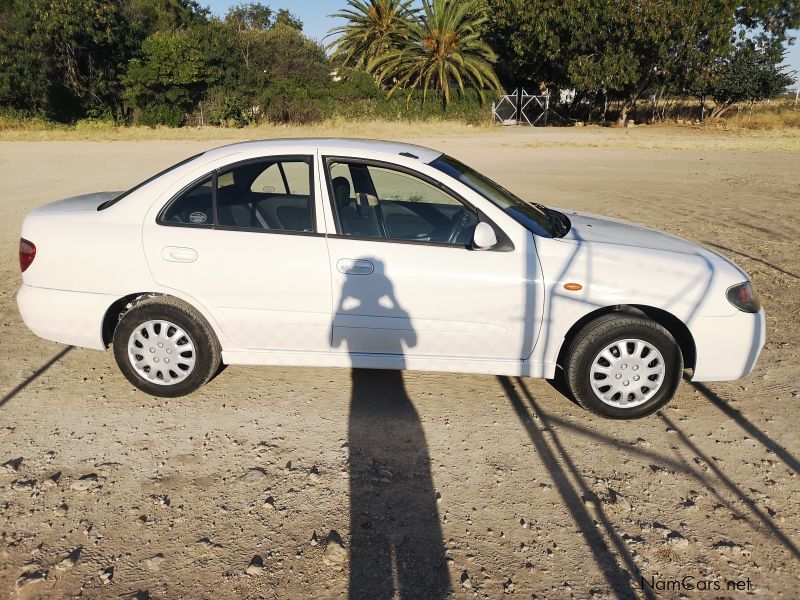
column 575, row 101
column 591, row 107
column 719, row 110
column 605, row 105
column 622, row 118
column 630, row 102
column 662, row 112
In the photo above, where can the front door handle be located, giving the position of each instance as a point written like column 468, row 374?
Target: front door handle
column 354, row 266
column 176, row 254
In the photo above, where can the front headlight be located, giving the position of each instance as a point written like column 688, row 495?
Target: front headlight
column 743, row 297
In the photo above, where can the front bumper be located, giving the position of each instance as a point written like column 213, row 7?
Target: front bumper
column 727, row 347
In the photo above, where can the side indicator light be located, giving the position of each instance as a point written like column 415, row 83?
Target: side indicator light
column 573, row 287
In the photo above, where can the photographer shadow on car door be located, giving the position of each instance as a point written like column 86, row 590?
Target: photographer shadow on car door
column 396, row 546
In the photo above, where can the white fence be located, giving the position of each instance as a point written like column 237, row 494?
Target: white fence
column 521, row 108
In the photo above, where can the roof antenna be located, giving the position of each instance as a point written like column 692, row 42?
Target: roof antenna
column 409, row 155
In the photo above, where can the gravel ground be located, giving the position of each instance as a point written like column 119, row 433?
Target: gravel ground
column 297, row 483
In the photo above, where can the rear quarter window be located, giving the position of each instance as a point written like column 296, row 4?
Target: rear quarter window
column 192, row 207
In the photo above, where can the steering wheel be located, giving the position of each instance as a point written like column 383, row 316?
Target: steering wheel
column 458, row 223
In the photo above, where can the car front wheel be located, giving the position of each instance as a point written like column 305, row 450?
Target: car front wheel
column 623, row 366
column 164, row 348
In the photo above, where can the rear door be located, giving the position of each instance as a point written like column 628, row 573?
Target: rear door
column 244, row 242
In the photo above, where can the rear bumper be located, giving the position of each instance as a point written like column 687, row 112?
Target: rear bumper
column 727, row 347
column 74, row 318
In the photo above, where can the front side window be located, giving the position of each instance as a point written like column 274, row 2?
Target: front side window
column 273, row 194
column 379, row 202
column 531, row 216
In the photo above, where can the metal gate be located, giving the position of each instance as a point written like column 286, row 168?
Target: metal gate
column 521, row 108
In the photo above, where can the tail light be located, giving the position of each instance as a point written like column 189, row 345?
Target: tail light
column 27, row 252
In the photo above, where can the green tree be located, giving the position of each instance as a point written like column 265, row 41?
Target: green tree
column 175, row 69
column 298, row 75
column 445, row 48
column 63, row 58
column 624, row 48
column 288, row 54
column 284, row 17
column 23, row 72
column 148, row 16
column 749, row 74
column 372, row 28
column 526, row 35
column 635, row 45
column 769, row 22
column 249, row 17
column 273, row 50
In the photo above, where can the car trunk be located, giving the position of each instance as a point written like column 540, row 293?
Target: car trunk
column 83, row 203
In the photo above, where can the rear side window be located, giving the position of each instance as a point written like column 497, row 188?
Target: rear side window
column 269, row 181
column 273, row 194
column 297, row 178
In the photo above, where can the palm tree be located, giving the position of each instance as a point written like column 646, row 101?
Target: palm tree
column 372, row 28
column 445, row 48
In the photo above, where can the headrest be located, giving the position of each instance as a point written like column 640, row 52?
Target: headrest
column 245, row 175
column 341, row 191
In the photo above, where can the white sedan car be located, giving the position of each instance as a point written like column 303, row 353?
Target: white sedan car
column 367, row 254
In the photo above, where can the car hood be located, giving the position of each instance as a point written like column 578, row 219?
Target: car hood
column 83, row 203
column 594, row 229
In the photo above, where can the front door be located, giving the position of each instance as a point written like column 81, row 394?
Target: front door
column 243, row 242
column 405, row 280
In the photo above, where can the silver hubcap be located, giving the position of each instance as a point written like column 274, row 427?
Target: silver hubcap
column 627, row 373
column 161, row 352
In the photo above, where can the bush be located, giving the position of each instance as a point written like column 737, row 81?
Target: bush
column 92, row 124
column 465, row 108
column 227, row 111
column 293, row 102
column 355, row 84
column 161, row 114
column 13, row 119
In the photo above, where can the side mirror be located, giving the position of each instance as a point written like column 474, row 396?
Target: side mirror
column 484, row 237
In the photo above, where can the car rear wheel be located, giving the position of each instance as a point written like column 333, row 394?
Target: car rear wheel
column 165, row 348
column 623, row 366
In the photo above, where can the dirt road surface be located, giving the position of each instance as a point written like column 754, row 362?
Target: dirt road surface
column 462, row 485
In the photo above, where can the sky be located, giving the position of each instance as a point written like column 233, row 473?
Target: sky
column 313, row 13
column 317, row 23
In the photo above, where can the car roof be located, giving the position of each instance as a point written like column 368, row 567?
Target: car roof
column 426, row 155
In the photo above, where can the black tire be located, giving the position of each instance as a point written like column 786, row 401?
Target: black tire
column 207, row 354
column 600, row 333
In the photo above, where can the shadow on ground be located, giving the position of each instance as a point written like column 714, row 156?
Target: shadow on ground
column 35, row 375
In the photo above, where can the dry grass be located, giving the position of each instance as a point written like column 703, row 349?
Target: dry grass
column 776, row 115
column 669, row 137
column 765, row 130
column 37, row 130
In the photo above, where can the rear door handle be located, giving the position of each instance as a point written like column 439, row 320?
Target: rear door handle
column 354, row 266
column 176, row 254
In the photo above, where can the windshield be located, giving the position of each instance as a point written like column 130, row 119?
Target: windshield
column 532, row 217
column 116, row 199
